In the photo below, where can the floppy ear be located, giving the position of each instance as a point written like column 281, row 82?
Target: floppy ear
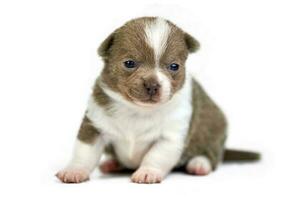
column 191, row 43
column 104, row 48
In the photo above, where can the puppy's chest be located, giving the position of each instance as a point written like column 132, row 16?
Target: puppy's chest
column 129, row 126
column 131, row 148
column 132, row 135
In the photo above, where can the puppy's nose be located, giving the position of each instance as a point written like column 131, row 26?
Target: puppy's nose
column 151, row 87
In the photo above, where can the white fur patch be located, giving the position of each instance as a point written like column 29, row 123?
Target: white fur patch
column 165, row 83
column 157, row 33
column 86, row 156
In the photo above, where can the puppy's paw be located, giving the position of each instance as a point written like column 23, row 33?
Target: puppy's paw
column 109, row 166
column 199, row 165
column 73, row 175
column 147, row 175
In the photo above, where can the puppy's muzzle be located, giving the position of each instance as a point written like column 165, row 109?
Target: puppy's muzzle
column 152, row 87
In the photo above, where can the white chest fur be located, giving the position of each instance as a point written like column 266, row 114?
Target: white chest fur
column 133, row 130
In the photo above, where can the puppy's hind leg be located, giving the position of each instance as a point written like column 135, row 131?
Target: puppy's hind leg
column 110, row 165
column 199, row 165
column 205, row 141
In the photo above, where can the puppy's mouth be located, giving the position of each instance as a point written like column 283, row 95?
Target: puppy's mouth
column 146, row 101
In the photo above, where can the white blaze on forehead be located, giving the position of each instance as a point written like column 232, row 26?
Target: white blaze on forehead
column 157, row 33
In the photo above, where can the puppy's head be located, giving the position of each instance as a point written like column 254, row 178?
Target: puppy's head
column 145, row 60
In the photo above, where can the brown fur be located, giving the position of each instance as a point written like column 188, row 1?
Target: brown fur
column 100, row 97
column 87, row 132
column 207, row 131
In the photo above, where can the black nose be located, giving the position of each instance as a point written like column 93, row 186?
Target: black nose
column 151, row 87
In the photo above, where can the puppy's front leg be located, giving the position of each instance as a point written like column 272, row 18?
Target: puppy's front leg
column 158, row 162
column 88, row 149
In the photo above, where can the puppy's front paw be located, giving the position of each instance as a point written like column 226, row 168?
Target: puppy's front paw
column 73, row 175
column 199, row 165
column 147, row 175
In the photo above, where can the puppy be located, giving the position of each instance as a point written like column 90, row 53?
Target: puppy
column 146, row 112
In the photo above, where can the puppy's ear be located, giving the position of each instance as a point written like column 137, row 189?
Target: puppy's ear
column 105, row 46
column 191, row 43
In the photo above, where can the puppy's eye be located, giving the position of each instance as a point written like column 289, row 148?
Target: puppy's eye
column 174, row 67
column 130, row 64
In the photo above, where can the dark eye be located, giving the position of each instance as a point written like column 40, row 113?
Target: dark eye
column 174, row 66
column 129, row 64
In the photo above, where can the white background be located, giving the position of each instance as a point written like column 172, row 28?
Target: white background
column 249, row 63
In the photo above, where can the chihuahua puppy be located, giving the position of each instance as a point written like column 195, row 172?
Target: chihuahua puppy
column 146, row 112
